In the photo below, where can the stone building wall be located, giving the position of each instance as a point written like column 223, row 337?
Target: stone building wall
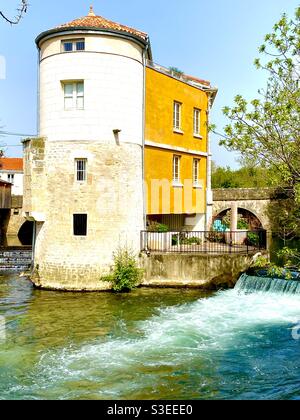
column 111, row 198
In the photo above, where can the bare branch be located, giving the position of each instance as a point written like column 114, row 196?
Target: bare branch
column 21, row 10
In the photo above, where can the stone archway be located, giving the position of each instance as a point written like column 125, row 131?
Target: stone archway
column 25, row 234
column 259, row 210
column 253, row 220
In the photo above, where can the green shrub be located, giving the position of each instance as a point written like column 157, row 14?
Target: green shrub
column 183, row 239
column 272, row 270
column 217, row 237
column 253, row 239
column 158, row 227
column 126, row 275
column 261, row 262
column 242, row 223
column 192, row 241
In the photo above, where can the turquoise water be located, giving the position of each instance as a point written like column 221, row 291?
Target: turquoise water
column 152, row 344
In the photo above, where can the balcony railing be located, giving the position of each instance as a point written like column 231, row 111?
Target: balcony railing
column 239, row 242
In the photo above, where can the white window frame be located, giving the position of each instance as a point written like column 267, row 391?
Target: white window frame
column 81, row 170
column 197, row 122
column 75, row 95
column 11, row 178
column 74, row 43
column 177, row 116
column 196, row 172
column 176, row 170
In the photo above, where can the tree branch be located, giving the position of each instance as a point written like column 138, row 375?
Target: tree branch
column 22, row 9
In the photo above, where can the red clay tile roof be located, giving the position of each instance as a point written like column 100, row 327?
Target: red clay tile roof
column 11, row 164
column 99, row 22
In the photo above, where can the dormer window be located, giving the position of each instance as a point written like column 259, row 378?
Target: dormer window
column 73, row 45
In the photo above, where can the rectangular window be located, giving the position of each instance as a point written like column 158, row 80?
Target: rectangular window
column 197, row 122
column 73, row 45
column 11, row 178
column 74, row 95
column 80, row 46
column 68, row 46
column 176, row 169
column 80, row 224
column 81, row 174
column 177, row 116
column 196, row 166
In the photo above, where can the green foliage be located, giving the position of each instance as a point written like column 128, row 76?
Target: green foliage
column 253, row 238
column 266, row 130
column 272, row 270
column 183, row 239
column 193, row 241
column 242, row 223
column 157, row 227
column 217, row 237
column 245, row 177
column 261, row 262
column 285, row 217
column 291, row 257
column 177, row 72
column 278, row 272
column 126, row 275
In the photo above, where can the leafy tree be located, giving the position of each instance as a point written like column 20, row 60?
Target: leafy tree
column 21, row 10
column 245, row 177
column 266, row 131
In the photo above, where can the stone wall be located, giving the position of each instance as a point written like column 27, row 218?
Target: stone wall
column 199, row 271
column 238, row 194
column 111, row 197
column 254, row 200
column 16, row 219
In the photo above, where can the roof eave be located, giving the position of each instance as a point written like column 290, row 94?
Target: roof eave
column 57, row 31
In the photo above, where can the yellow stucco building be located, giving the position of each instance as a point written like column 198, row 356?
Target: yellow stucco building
column 177, row 150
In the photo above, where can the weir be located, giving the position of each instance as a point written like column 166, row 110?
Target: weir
column 253, row 284
column 15, row 258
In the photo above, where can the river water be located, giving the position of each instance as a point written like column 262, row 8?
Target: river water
column 151, row 344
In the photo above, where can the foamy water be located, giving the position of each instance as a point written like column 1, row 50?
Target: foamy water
column 230, row 345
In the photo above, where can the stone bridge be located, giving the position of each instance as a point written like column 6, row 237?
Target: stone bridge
column 253, row 200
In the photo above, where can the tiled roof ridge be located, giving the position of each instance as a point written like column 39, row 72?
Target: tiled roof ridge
column 94, row 21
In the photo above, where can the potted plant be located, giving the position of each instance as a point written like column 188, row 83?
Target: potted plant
column 159, row 238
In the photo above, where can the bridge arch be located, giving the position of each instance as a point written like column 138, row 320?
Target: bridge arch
column 255, row 221
column 25, row 233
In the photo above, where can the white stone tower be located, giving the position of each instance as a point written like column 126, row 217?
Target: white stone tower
column 84, row 174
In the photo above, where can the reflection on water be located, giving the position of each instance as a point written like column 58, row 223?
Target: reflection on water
column 151, row 344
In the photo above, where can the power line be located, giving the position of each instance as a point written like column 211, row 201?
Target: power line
column 8, row 133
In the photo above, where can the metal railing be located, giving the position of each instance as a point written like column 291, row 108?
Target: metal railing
column 239, row 242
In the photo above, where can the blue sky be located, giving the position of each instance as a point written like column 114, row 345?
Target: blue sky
column 215, row 40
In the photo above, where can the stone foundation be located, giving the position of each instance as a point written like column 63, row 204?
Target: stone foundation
column 208, row 272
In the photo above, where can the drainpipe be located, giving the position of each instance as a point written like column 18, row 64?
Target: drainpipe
column 208, row 174
column 38, row 91
column 145, row 50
